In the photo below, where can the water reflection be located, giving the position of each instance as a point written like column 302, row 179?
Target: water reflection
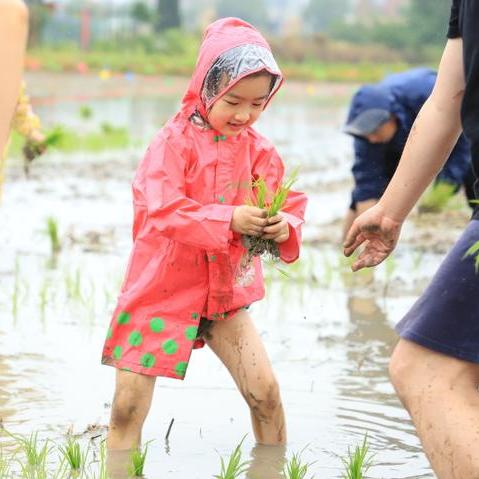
column 266, row 462
column 367, row 403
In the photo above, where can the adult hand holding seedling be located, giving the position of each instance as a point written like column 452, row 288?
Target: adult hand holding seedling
column 249, row 220
column 277, row 229
column 377, row 231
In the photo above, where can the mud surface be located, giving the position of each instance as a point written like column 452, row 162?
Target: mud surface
column 329, row 333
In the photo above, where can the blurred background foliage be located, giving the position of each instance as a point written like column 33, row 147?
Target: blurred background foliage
column 350, row 40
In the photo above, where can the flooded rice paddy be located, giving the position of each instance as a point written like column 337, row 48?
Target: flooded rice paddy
column 329, row 333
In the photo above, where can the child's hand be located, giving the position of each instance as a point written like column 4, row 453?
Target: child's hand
column 277, row 229
column 249, row 220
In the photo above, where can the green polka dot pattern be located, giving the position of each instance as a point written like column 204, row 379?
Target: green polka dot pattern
column 148, row 360
column 157, row 325
column 135, row 338
column 117, row 352
column 170, row 347
column 191, row 332
column 180, row 368
column 123, row 318
column 195, row 316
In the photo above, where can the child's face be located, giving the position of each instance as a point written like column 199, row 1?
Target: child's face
column 241, row 106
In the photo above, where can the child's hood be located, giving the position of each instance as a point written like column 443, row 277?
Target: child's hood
column 233, row 47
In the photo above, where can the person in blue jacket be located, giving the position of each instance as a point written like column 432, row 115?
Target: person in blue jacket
column 380, row 118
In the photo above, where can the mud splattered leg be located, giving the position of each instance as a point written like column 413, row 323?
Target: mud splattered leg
column 237, row 343
column 131, row 404
column 441, row 395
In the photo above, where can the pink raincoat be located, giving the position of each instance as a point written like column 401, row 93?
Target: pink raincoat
column 186, row 263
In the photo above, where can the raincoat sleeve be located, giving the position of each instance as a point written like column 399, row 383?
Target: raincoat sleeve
column 160, row 186
column 270, row 167
column 458, row 163
column 369, row 171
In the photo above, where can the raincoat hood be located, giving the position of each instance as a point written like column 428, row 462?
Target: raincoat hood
column 187, row 263
column 371, row 97
column 231, row 49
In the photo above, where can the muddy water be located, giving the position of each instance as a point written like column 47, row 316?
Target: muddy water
column 329, row 333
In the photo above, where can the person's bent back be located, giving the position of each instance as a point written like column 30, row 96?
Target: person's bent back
column 380, row 119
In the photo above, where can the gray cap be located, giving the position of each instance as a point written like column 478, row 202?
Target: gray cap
column 367, row 122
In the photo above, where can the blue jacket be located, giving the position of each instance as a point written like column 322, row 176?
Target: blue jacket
column 375, row 164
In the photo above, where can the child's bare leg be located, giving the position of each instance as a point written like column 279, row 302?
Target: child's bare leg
column 237, row 343
column 131, row 404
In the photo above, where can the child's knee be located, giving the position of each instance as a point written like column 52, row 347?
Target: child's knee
column 127, row 408
column 264, row 399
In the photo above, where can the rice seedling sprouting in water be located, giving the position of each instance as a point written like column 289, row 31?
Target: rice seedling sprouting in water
column 295, row 468
column 137, row 461
column 4, row 465
column 34, row 465
column 16, row 289
column 235, row 466
column 54, row 237
column 272, row 202
column 358, row 462
column 43, row 297
column 85, row 112
column 102, row 466
column 74, row 456
column 33, row 149
column 437, row 197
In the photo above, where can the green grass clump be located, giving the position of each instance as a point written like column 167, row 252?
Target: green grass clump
column 437, row 197
column 271, row 202
column 235, row 466
column 358, row 462
column 295, row 468
column 66, row 140
column 73, row 455
column 137, row 461
column 53, row 235
column 34, row 465
column 4, row 465
column 85, row 112
column 53, row 137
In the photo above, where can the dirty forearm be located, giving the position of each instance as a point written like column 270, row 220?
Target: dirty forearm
column 432, row 138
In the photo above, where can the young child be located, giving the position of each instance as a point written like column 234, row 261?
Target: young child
column 189, row 280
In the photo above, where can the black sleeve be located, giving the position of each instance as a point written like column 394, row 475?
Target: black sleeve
column 454, row 29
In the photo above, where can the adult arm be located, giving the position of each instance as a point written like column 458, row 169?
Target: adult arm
column 430, row 142
column 13, row 37
column 458, row 164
